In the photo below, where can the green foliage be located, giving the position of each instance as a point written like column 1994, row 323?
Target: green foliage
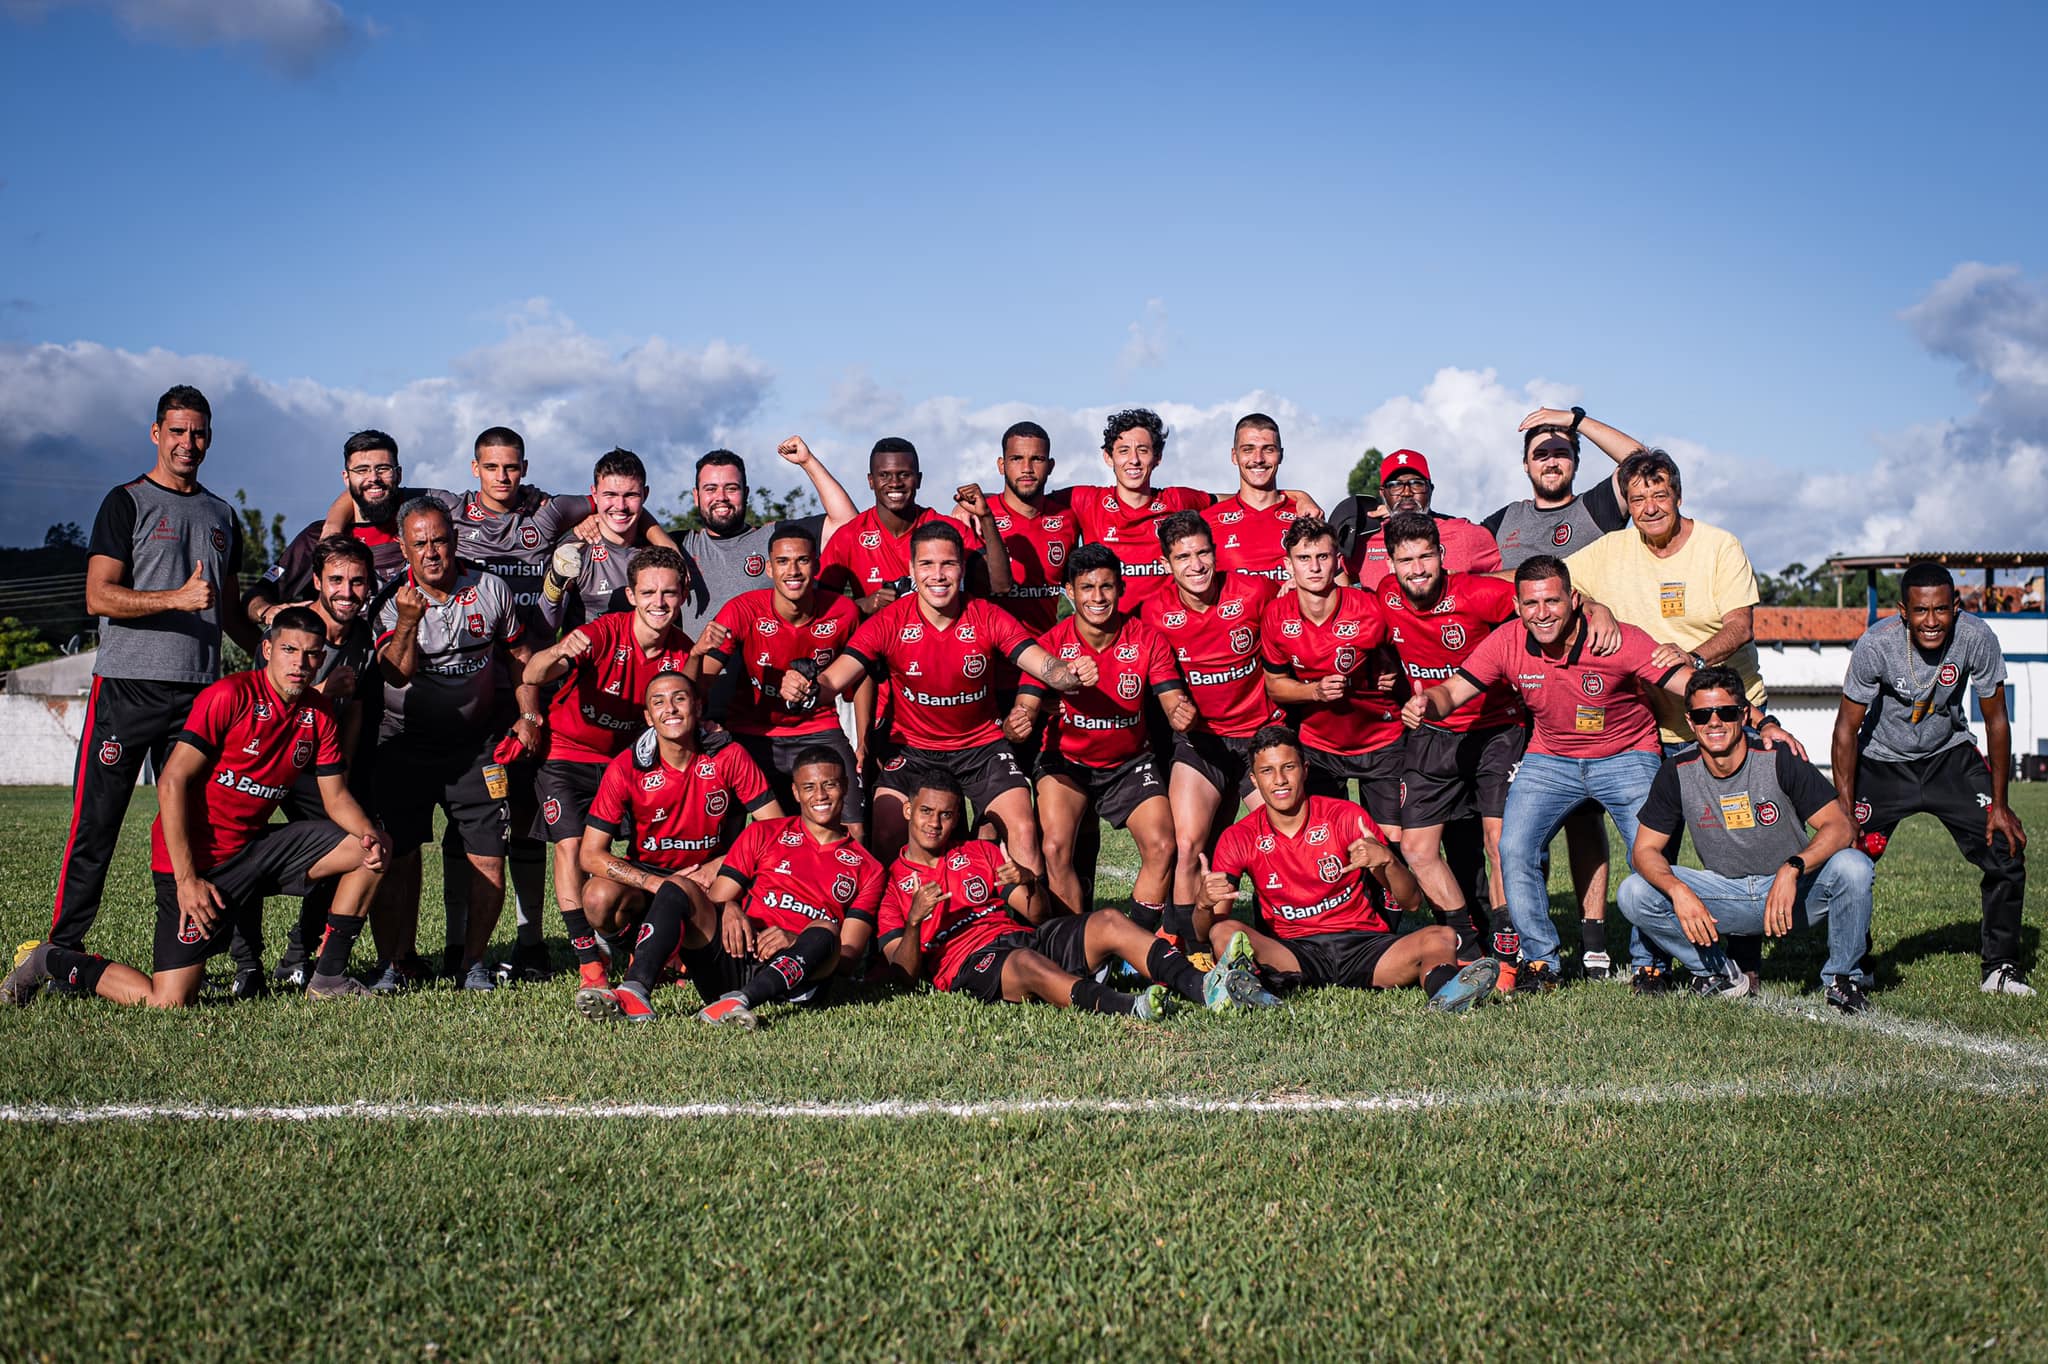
column 1365, row 475
column 1797, row 585
column 764, row 506
column 264, row 538
column 64, row 535
column 20, row 646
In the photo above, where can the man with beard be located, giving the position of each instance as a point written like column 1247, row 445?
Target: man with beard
column 727, row 556
column 1249, row 524
column 869, row 560
column 1553, row 519
column 215, row 853
column 1035, row 525
column 1406, row 486
column 370, row 472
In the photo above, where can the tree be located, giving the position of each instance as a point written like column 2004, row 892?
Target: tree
column 64, row 535
column 1365, row 475
column 763, row 507
column 261, row 548
column 21, row 646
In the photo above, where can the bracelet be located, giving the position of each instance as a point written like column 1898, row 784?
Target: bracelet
column 530, row 716
column 1578, row 415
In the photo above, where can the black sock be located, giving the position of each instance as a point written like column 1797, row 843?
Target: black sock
column 306, row 929
column 1459, row 921
column 1507, row 943
column 1437, row 977
column 340, row 941
column 1592, row 936
column 1178, row 922
column 1746, row 950
column 790, row 970
column 583, row 938
column 1100, row 999
column 247, row 955
column 1146, row 916
column 659, row 935
column 75, row 972
column 1165, row 963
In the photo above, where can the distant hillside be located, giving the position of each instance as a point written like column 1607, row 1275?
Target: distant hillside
column 45, row 588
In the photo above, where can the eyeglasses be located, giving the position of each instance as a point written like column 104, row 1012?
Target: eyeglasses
column 380, row 470
column 1706, row 713
column 1401, row 483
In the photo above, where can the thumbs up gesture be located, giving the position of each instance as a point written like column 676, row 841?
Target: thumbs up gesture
column 197, row 592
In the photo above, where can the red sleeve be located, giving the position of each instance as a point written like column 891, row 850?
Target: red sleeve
column 1378, row 629
column 211, row 715
column 744, row 857
column 732, row 617
column 1385, row 585
column 327, row 735
column 869, row 895
column 1191, row 499
column 608, row 807
column 835, row 565
column 871, row 641
column 1495, row 598
column 1230, row 859
column 1486, row 665
column 1005, row 633
column 1635, row 655
column 1270, row 648
column 742, row 776
column 1161, row 672
column 895, row 911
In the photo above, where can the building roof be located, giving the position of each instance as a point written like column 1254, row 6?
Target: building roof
column 1949, row 558
column 1812, row 624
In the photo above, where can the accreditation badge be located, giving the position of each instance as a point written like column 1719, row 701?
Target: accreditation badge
column 1670, row 599
column 495, row 780
column 1591, row 720
column 1736, row 812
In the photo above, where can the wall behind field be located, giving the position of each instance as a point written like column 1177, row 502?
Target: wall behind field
column 39, row 739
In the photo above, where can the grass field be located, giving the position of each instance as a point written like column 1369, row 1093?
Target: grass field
column 1583, row 1176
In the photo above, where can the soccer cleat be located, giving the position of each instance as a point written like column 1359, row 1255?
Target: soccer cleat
column 389, row 981
column 249, row 984
column 478, row 978
column 1734, row 985
column 1472, row 984
column 622, row 1005
column 529, row 964
column 591, row 975
column 31, row 969
column 1153, row 1004
column 1536, row 978
column 1845, row 994
column 1651, row 980
column 1249, row 993
column 1238, row 953
column 729, row 1009
column 1216, row 990
column 1510, row 973
column 1595, row 966
column 2005, row 979
column 336, row 987
column 294, row 969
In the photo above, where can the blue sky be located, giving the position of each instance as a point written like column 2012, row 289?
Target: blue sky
column 667, row 226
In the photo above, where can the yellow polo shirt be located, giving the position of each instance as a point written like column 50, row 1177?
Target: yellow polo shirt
column 1681, row 600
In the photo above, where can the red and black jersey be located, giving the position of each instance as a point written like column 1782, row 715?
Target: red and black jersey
column 1305, row 883
column 1218, row 652
column 1104, row 725
column 676, row 817
column 765, row 645
column 793, row 882
column 1364, row 720
column 1435, row 643
column 601, row 705
column 258, row 746
column 974, row 913
column 940, row 675
column 862, row 555
column 1248, row 538
column 1038, row 547
column 1132, row 533
column 1467, row 549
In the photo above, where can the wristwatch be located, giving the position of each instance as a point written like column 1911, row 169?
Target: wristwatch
column 1578, row 415
column 1697, row 661
column 1797, row 863
column 530, row 717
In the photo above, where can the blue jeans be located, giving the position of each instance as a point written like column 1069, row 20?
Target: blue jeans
column 1838, row 893
column 1544, row 791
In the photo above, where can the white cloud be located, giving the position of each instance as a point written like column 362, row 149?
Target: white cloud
column 293, row 35
column 1145, row 345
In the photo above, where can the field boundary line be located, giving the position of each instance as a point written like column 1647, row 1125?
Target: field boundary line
column 1943, row 1036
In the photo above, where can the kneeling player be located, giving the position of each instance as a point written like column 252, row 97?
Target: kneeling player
column 794, row 898
column 1320, row 871
column 215, row 854
column 675, row 802
column 961, row 915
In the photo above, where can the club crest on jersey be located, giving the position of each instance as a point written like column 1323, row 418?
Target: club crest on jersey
column 1948, row 675
column 1562, row 535
column 843, row 887
column 871, row 539
column 1231, row 609
column 189, row 932
column 1265, row 844
column 1593, row 684
column 714, row 803
column 1129, row 686
column 1291, row 628
column 1346, row 659
column 1173, row 620
column 1241, row 640
column 973, row 665
column 1330, row 867
column 976, row 888
column 1862, row 812
column 1318, row 833
column 1055, row 554
column 1346, row 629
column 755, row 566
column 476, row 624
column 1767, row 813
column 110, row 752
column 302, row 753
column 1453, row 635
column 219, row 538
column 529, row 536
column 551, row 810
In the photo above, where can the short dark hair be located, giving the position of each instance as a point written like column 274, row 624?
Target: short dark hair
column 678, row 674
column 1651, row 466
column 420, row 506
column 294, row 618
column 654, row 556
column 184, row 398
column 724, row 459
column 1539, row 567
column 1024, row 431
column 334, row 547
column 1714, row 677
column 818, row 755
column 1178, row 526
column 893, row 445
column 793, row 530
column 1132, row 418
column 1925, row 573
column 364, row 441
column 929, row 778
column 1257, row 421
column 938, row 530
column 1273, row 736
column 1408, row 526
column 1534, row 433
column 1305, row 529
column 503, row 435
column 619, row 462
column 1091, row 558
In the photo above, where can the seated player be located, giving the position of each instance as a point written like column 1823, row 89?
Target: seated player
column 1096, row 760
column 1321, row 874
column 604, row 669
column 939, row 649
column 675, row 802
column 214, row 852
column 778, row 639
column 794, row 898
column 961, row 915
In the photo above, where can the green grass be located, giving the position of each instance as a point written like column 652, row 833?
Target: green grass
column 1583, row 1176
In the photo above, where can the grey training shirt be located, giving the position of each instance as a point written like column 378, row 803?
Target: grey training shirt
column 1917, row 704
column 1744, row 824
column 159, row 534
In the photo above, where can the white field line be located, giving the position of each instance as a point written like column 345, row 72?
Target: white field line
column 896, row 1110
column 1940, row 1036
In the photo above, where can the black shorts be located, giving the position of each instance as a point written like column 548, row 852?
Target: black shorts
column 1225, row 763
column 411, row 781
column 276, row 863
column 1115, row 792
column 776, row 757
column 1378, row 775
column 1447, row 775
column 1062, row 941
column 563, row 791
column 985, row 773
column 1340, row 958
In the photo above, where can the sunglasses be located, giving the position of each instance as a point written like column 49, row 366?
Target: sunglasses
column 1727, row 713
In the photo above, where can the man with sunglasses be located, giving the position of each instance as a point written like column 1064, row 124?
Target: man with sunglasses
column 1748, row 811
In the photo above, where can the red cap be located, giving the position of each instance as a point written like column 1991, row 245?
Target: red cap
column 1404, row 461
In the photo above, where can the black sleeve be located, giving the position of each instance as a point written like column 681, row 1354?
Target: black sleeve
column 1491, row 525
column 814, row 523
column 235, row 547
column 1604, row 507
column 199, row 742
column 291, row 577
column 113, row 530
column 1662, row 808
column 1802, row 781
